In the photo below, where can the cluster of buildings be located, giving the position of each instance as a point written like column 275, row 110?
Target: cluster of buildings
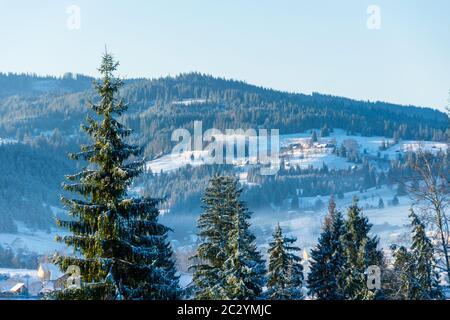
column 25, row 283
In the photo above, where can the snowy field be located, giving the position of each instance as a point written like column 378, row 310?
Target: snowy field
column 369, row 145
column 22, row 273
column 189, row 102
column 37, row 241
column 315, row 156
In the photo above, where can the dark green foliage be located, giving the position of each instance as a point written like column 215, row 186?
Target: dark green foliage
column 325, row 281
column 324, row 132
column 360, row 251
column 415, row 268
column 403, row 270
column 242, row 267
column 214, row 225
column 285, row 277
column 32, row 173
column 227, row 264
column 12, row 84
column 122, row 250
column 184, row 186
column 294, row 202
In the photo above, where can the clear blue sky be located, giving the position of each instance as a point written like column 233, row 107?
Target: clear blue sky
column 300, row 46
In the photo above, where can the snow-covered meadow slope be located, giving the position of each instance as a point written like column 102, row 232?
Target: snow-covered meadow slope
column 37, row 241
column 314, row 155
column 390, row 222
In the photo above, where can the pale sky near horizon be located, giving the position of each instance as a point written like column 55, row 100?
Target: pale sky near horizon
column 293, row 45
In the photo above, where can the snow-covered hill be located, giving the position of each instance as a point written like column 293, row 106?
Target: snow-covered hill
column 304, row 153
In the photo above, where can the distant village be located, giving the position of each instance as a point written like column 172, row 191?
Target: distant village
column 29, row 283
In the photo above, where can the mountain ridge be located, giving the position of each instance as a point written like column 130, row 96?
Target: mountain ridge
column 84, row 83
column 45, row 125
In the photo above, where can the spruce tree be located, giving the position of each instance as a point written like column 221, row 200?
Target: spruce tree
column 223, row 246
column 214, row 225
column 295, row 280
column 360, row 251
column 239, row 271
column 416, row 268
column 403, row 272
column 327, row 259
column 285, row 278
column 119, row 246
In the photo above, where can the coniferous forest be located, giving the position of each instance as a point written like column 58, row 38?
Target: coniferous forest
column 121, row 247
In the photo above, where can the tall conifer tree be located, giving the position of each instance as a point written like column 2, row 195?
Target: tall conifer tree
column 285, row 278
column 360, row 251
column 424, row 261
column 415, row 268
column 120, row 248
column 327, row 259
column 214, row 225
column 226, row 242
column 240, row 272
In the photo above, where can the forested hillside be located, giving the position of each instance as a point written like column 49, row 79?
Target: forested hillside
column 156, row 107
column 41, row 115
column 29, row 84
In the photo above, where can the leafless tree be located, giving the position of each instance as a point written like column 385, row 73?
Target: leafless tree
column 431, row 195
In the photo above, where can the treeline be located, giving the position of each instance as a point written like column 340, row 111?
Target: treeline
column 228, row 266
column 225, row 104
column 32, row 84
column 18, row 259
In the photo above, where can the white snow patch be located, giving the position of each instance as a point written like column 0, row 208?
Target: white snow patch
column 37, row 241
column 189, row 102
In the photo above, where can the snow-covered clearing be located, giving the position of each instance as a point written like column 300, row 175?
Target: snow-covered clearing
column 308, row 154
column 189, row 102
column 37, row 241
